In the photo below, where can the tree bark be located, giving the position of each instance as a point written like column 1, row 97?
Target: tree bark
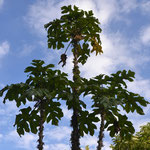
column 101, row 132
column 75, row 135
column 41, row 128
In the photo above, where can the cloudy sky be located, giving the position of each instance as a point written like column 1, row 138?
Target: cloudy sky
column 125, row 41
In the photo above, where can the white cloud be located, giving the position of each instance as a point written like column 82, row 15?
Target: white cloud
column 28, row 141
column 89, row 140
column 59, row 133
column 9, row 108
column 41, row 13
column 96, row 65
column 67, row 113
column 8, row 112
column 107, row 146
column 145, row 35
column 106, row 10
column 140, row 86
column 81, row 4
column 4, row 48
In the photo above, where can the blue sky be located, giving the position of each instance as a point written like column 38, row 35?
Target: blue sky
column 125, row 41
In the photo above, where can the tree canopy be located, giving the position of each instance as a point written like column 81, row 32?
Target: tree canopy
column 139, row 141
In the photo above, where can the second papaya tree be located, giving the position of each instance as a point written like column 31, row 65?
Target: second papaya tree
column 109, row 94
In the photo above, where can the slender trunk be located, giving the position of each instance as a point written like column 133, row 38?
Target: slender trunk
column 101, row 132
column 41, row 128
column 75, row 135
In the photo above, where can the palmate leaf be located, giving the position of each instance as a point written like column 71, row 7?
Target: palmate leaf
column 14, row 92
column 120, row 124
column 25, row 121
column 133, row 102
column 87, row 123
column 53, row 112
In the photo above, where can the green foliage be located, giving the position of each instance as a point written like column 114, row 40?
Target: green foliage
column 109, row 92
column 86, row 123
column 42, row 86
column 15, row 91
column 27, row 121
column 85, row 119
column 75, row 25
column 139, row 141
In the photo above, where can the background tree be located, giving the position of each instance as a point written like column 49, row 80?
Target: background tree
column 41, row 88
column 139, row 141
column 80, row 29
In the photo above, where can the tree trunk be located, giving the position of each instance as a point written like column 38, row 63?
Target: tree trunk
column 75, row 135
column 41, row 128
column 101, row 132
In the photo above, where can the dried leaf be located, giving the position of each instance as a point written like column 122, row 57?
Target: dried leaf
column 63, row 58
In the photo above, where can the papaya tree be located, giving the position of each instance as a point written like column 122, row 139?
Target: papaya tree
column 79, row 29
column 41, row 88
column 108, row 93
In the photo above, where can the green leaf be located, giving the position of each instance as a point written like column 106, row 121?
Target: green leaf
column 20, row 131
column 55, row 121
column 33, row 126
column 26, row 127
column 139, row 110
